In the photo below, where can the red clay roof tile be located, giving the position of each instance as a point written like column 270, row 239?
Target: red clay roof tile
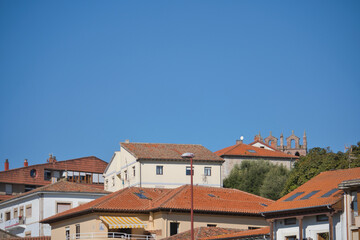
column 251, row 151
column 206, row 199
column 203, row 233
column 243, row 234
column 169, row 151
column 22, row 175
column 323, row 183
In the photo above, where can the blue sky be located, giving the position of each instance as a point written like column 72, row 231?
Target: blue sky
column 78, row 77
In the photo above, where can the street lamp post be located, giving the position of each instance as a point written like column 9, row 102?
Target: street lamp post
column 191, row 156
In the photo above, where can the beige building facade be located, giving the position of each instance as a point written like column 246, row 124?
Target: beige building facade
column 161, row 166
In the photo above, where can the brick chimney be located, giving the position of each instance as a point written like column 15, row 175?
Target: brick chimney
column 6, row 165
column 240, row 141
column 26, row 163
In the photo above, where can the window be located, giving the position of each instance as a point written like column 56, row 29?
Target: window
column 207, row 171
column 29, row 188
column 47, row 175
column 113, row 181
column 28, row 234
column 33, row 173
column 211, row 225
column 77, row 231
column 323, row 236
column 16, row 213
column 8, row 189
column 28, row 211
column 133, row 171
column 290, row 221
column 107, row 184
column 252, row 228
column 7, row 216
column 21, row 211
column 322, row 218
column 95, row 178
column 67, row 233
column 293, row 196
column 290, row 238
column 61, row 207
column 159, row 170
column 174, row 228
column 125, row 175
column 188, row 169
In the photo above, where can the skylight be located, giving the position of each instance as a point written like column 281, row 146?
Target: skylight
column 141, row 195
column 211, row 195
column 309, row 195
column 293, row 196
column 252, row 151
column 329, row 193
column 263, row 204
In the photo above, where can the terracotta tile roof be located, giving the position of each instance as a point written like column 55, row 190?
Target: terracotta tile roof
column 251, row 151
column 206, row 200
column 320, row 185
column 22, row 175
column 203, row 233
column 63, row 186
column 169, row 151
column 243, row 234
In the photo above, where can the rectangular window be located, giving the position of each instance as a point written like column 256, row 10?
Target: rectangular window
column 8, row 189
column 7, row 216
column 207, row 171
column 290, row 238
column 133, row 171
column 159, row 170
column 16, row 213
column 125, row 175
column 290, row 221
column 113, row 181
column 28, row 211
column 21, row 211
column 95, row 178
column 61, row 207
column 211, row 225
column 188, row 171
column 174, row 228
column 67, row 233
column 77, row 231
column 47, row 175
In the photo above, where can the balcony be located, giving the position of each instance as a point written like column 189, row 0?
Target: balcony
column 110, row 235
column 15, row 223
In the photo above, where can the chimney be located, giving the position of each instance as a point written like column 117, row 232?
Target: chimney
column 240, row 141
column 6, row 165
column 127, row 141
column 26, row 163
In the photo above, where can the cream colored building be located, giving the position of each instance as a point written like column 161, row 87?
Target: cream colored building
column 145, row 213
column 161, row 166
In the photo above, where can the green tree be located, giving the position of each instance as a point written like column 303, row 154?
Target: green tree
column 250, row 177
column 319, row 160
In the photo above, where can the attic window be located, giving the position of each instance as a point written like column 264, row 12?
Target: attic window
column 262, row 147
column 33, row 173
column 329, row 193
column 307, row 196
column 252, row 151
column 293, row 196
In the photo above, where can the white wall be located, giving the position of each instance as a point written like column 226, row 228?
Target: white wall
column 49, row 207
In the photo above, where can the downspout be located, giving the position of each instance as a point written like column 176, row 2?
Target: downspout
column 347, row 216
column 41, row 214
column 140, row 173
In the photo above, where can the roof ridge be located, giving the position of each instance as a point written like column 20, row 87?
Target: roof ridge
column 163, row 143
column 110, row 196
column 175, row 192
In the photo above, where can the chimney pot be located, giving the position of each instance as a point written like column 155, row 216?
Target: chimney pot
column 26, row 163
column 6, row 165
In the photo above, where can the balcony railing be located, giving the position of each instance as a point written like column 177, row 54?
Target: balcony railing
column 15, row 222
column 111, row 235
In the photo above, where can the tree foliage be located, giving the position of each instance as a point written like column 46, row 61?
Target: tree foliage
column 258, row 177
column 319, row 160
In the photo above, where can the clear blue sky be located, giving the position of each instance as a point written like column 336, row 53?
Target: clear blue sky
column 78, row 77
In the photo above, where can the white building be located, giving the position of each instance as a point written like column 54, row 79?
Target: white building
column 161, row 166
column 319, row 209
column 21, row 215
